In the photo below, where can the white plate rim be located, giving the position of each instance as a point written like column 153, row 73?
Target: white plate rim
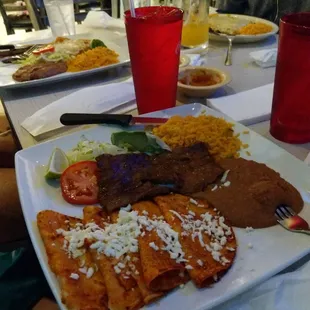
column 124, row 60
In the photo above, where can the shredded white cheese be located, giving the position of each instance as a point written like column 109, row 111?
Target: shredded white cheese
column 215, row 187
column 224, row 177
column 213, row 226
column 226, row 184
column 225, row 261
column 191, row 213
column 127, row 208
column 74, row 276
column 117, row 269
column 193, row 201
column 90, row 272
column 121, row 265
column 83, row 270
column 230, row 249
column 153, row 246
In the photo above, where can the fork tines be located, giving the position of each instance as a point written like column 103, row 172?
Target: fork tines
column 283, row 212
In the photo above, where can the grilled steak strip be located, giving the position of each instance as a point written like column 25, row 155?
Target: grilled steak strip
column 39, row 71
column 128, row 178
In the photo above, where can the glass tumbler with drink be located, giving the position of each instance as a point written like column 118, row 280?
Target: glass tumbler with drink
column 61, row 18
column 195, row 31
column 154, row 39
column 290, row 116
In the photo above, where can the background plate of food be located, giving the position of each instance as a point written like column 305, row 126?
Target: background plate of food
column 205, row 148
column 63, row 58
column 245, row 28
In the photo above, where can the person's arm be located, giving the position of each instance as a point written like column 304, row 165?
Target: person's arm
column 232, row 6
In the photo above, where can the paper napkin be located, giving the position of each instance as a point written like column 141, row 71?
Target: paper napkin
column 287, row 291
column 265, row 58
column 196, row 59
column 115, row 97
column 248, row 107
column 100, row 19
column 97, row 99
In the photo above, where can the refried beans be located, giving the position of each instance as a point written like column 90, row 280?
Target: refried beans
column 250, row 194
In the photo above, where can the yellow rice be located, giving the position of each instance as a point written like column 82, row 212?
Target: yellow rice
column 253, row 29
column 93, row 58
column 216, row 132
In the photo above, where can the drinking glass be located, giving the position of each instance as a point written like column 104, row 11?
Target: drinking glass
column 290, row 116
column 154, row 39
column 195, row 31
column 61, row 18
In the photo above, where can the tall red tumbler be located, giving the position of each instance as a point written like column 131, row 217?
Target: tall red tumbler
column 290, row 116
column 154, row 40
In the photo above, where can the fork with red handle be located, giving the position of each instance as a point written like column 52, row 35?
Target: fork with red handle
column 289, row 220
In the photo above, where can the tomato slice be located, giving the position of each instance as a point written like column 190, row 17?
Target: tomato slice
column 79, row 183
column 45, row 49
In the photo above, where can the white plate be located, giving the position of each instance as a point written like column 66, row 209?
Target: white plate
column 273, row 248
column 248, row 38
column 6, row 70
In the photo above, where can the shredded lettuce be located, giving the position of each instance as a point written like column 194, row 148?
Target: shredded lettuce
column 89, row 150
column 56, row 56
column 31, row 60
column 52, row 57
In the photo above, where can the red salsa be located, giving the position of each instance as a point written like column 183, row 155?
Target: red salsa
column 201, row 78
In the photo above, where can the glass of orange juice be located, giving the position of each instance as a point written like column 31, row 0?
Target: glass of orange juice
column 195, row 32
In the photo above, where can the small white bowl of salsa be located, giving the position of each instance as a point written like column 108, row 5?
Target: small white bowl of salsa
column 201, row 81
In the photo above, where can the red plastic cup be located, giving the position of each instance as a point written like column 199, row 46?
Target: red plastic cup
column 290, row 116
column 154, row 40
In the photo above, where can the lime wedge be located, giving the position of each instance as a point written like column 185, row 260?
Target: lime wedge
column 57, row 164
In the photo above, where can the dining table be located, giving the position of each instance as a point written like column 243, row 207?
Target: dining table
column 20, row 103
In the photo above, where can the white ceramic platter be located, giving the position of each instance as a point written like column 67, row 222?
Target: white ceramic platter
column 247, row 38
column 273, row 248
column 6, row 70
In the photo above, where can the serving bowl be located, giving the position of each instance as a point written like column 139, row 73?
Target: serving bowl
column 213, row 76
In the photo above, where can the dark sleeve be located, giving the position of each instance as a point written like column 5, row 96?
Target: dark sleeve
column 232, row 6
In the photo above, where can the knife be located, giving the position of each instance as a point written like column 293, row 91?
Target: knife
column 114, row 119
column 7, row 47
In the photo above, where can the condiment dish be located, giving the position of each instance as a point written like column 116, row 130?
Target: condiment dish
column 196, row 81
